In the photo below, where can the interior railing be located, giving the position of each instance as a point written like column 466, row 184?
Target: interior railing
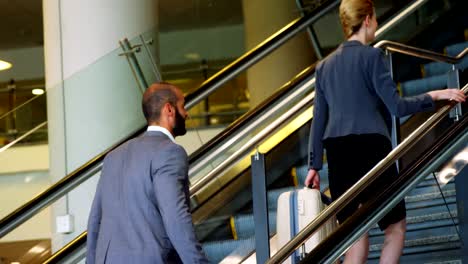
column 90, row 168
column 93, row 166
column 392, row 157
column 302, row 83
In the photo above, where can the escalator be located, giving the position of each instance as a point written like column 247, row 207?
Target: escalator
column 218, row 198
column 444, row 159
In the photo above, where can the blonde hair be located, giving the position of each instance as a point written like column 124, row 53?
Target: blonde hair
column 353, row 13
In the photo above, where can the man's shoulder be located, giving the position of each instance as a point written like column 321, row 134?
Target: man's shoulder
column 175, row 149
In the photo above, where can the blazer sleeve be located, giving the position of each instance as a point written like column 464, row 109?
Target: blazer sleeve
column 387, row 91
column 94, row 220
column 170, row 183
column 319, row 121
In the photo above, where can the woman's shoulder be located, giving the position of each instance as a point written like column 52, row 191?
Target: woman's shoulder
column 372, row 51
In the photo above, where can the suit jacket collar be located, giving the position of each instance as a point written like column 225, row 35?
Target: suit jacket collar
column 156, row 134
column 351, row 43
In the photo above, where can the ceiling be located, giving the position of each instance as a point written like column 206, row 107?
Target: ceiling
column 21, row 25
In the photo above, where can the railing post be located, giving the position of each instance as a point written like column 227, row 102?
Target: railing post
column 395, row 121
column 260, row 208
column 461, row 181
column 453, row 81
column 129, row 53
column 311, row 32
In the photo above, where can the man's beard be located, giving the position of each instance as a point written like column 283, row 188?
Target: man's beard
column 179, row 127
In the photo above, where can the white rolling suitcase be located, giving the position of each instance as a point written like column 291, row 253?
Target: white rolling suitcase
column 296, row 209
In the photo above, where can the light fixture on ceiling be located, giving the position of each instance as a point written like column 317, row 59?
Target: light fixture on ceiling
column 38, row 91
column 192, row 56
column 4, row 65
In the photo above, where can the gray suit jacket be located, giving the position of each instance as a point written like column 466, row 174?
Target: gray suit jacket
column 140, row 213
column 354, row 94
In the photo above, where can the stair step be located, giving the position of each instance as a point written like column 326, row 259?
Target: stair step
column 414, row 246
column 423, row 85
column 433, row 257
column 429, row 196
column 440, row 68
column 217, row 250
column 455, row 49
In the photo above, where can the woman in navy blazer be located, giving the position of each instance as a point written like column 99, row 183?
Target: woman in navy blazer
column 354, row 93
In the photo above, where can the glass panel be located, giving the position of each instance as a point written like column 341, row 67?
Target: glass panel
column 16, row 123
column 113, row 76
column 39, row 237
column 431, row 210
column 94, row 121
column 224, row 214
column 417, row 76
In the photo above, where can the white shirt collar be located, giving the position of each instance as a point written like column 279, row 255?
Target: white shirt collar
column 162, row 130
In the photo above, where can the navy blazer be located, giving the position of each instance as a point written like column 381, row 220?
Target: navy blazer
column 354, row 93
column 140, row 212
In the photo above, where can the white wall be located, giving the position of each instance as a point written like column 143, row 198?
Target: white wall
column 15, row 190
column 23, row 175
column 24, row 158
column 93, row 99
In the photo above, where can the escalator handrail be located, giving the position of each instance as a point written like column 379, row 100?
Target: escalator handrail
column 389, row 195
column 421, row 53
column 79, row 175
column 382, row 44
column 363, row 183
column 241, row 61
column 259, row 52
column 250, row 115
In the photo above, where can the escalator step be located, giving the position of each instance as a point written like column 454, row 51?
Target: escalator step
column 423, row 85
column 439, row 68
column 455, row 49
column 244, row 225
column 217, row 250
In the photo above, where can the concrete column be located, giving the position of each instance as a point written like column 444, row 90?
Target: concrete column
column 262, row 18
column 93, row 98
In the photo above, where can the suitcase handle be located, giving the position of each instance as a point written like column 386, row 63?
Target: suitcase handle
column 325, row 199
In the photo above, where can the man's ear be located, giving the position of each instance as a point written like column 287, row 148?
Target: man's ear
column 169, row 109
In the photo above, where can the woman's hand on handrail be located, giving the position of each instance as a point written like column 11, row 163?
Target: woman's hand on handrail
column 448, row 94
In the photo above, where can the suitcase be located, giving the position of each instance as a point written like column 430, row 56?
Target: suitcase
column 296, row 209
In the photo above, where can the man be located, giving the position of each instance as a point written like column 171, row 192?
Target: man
column 141, row 213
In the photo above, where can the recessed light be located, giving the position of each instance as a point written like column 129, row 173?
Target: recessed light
column 192, row 56
column 4, row 65
column 38, row 91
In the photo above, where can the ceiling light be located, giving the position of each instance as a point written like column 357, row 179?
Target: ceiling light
column 192, row 56
column 4, row 65
column 38, row 91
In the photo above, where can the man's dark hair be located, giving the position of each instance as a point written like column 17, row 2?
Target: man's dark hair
column 155, row 98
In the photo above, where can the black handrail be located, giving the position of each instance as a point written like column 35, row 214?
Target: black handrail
column 345, row 228
column 384, row 194
column 260, row 51
column 79, row 175
column 364, row 183
column 421, row 53
column 78, row 242
column 252, row 114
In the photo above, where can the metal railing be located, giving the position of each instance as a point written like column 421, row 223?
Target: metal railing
column 420, row 53
column 363, row 183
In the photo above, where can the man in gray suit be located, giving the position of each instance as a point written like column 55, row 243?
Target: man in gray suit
column 140, row 213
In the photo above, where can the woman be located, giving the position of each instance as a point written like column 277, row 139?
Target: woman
column 353, row 86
